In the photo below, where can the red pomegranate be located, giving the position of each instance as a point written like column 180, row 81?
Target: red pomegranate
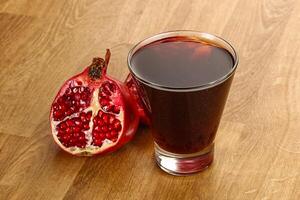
column 134, row 93
column 93, row 113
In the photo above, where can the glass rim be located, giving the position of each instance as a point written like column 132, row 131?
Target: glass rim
column 206, row 37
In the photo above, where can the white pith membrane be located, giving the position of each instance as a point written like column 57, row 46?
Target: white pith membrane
column 94, row 107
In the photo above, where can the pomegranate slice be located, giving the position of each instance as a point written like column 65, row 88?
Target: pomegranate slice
column 93, row 113
column 140, row 105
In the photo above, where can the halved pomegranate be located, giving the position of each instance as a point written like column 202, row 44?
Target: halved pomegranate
column 134, row 93
column 93, row 113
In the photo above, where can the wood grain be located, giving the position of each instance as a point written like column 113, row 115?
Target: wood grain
column 42, row 43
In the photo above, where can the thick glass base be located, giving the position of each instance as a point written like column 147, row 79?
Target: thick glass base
column 184, row 164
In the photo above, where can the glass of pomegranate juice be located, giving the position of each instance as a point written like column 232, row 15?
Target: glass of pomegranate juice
column 183, row 78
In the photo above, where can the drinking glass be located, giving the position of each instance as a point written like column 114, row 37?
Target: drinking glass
column 184, row 121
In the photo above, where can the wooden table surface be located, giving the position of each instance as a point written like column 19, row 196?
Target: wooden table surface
column 42, row 43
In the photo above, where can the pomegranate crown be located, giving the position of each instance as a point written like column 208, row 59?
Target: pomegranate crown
column 99, row 66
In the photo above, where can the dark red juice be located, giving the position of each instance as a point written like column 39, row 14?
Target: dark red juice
column 184, row 108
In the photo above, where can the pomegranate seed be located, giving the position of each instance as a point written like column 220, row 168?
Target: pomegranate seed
column 61, row 100
column 100, row 122
column 84, row 97
column 68, row 91
column 81, row 138
column 111, row 118
column 104, row 128
column 96, row 120
column 102, row 95
column 79, row 83
column 97, row 129
column 70, row 122
column 109, row 86
column 75, row 140
column 110, row 108
column 69, row 112
column 89, row 115
column 98, row 142
column 77, row 97
column 76, row 129
column 114, row 139
column 116, row 109
column 117, row 125
column 96, row 136
column 62, row 125
column 105, row 91
column 102, row 136
column 86, row 127
column 112, row 88
column 105, row 118
column 100, row 113
column 62, row 107
column 105, row 84
column 57, row 114
column 78, row 122
column 61, row 131
column 114, row 133
column 72, row 108
column 75, row 89
column 83, row 119
column 108, row 135
column 68, row 130
column 55, row 106
column 105, row 108
column 82, row 115
column 66, row 137
column 104, row 102
column 76, row 134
